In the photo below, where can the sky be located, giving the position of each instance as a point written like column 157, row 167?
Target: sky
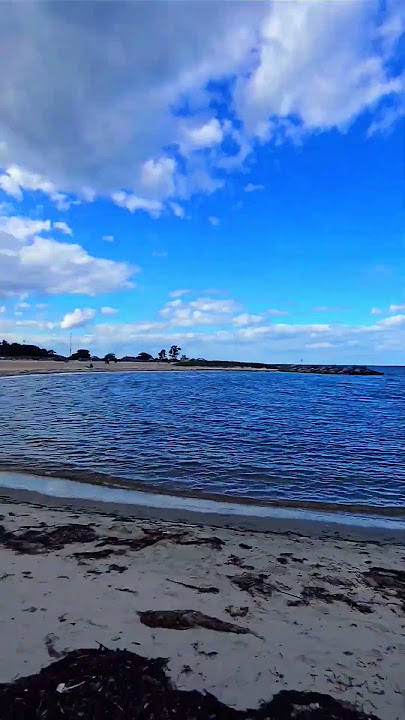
column 228, row 177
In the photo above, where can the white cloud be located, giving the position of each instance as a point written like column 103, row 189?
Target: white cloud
column 178, row 293
column 108, row 238
column 202, row 311
column 251, row 187
column 2, row 308
column 213, row 220
column 31, row 263
column 319, row 345
column 16, row 179
column 77, row 318
column 246, row 319
column 157, row 176
column 63, row 227
column 204, row 136
column 321, row 63
column 134, row 203
column 23, row 228
column 41, row 306
column 393, row 321
column 108, row 310
column 177, row 210
column 23, row 305
column 206, row 304
column 376, row 311
column 397, row 308
column 157, row 254
column 318, row 62
column 275, row 312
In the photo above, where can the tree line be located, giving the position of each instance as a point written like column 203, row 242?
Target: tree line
column 22, row 350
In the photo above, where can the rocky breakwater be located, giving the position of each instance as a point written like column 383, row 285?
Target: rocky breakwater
column 331, row 369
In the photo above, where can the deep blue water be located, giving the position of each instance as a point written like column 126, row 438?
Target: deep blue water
column 269, row 436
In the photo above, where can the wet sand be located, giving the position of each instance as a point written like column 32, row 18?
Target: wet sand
column 318, row 613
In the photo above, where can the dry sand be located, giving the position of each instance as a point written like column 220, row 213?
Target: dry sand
column 43, row 367
column 350, row 647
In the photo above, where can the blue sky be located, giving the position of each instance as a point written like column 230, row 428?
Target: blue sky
column 235, row 185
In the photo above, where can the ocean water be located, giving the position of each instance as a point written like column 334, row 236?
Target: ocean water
column 263, row 436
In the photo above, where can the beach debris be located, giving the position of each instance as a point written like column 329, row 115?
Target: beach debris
column 235, row 612
column 117, row 568
column 108, row 684
column 312, row 592
column 188, row 619
column 239, row 562
column 213, row 542
column 387, row 580
column 199, row 588
column 97, row 554
column 253, row 584
column 50, row 646
column 149, row 537
column 35, row 541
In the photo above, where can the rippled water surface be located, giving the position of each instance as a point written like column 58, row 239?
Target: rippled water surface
column 269, row 436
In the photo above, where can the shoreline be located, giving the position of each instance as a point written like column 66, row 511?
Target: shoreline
column 312, row 611
column 21, row 368
column 62, row 493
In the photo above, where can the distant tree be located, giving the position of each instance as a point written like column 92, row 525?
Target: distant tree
column 184, row 358
column 174, row 352
column 51, row 353
column 81, row 354
column 18, row 350
column 110, row 357
column 162, row 355
column 144, row 357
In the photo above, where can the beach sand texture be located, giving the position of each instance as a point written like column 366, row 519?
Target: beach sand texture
column 313, row 613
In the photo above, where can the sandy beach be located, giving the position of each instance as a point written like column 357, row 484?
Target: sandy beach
column 44, row 367
column 265, row 612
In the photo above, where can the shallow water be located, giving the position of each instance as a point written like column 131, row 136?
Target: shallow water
column 266, row 436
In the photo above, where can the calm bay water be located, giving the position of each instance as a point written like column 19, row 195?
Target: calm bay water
column 267, row 436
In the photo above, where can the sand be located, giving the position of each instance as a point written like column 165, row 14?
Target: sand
column 43, row 367
column 350, row 646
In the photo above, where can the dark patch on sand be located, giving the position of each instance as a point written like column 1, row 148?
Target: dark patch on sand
column 188, row 619
column 32, row 542
column 117, row 685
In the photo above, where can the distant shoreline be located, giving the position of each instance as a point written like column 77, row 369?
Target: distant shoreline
column 10, row 368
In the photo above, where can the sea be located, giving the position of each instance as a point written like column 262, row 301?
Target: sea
column 263, row 437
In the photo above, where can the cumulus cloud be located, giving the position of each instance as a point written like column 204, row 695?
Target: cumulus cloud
column 134, row 203
column 397, row 308
column 246, row 319
column 108, row 310
column 392, row 321
column 15, row 179
column 213, row 220
column 63, row 227
column 31, row 263
column 108, row 238
column 110, row 118
column 23, row 228
column 3, row 308
column 203, row 136
column 77, row 318
column 202, row 311
column 376, row 311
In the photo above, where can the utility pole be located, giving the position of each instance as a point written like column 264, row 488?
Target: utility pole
column 70, row 345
